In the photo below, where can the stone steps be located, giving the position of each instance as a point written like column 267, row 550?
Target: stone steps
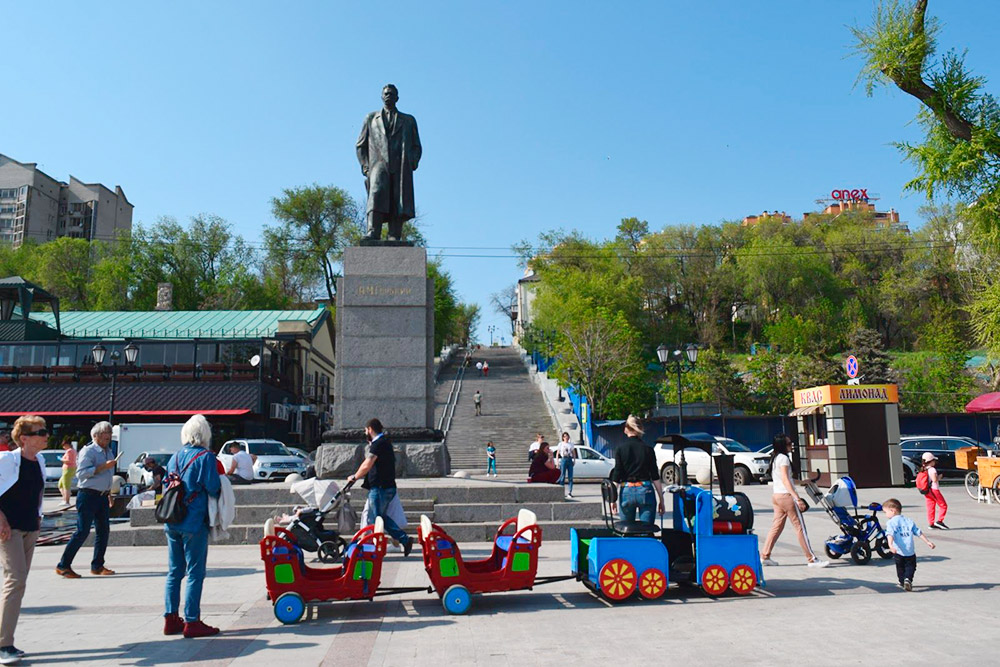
column 513, row 411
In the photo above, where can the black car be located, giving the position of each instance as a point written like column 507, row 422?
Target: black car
column 941, row 446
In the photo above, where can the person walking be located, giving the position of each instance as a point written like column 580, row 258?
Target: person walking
column 5, row 441
column 68, row 470
column 899, row 531
column 639, row 489
column 477, row 400
column 787, row 504
column 491, row 459
column 22, row 487
column 566, row 457
column 543, row 468
column 486, row 369
column 379, row 472
column 479, row 367
column 94, row 472
column 187, row 540
column 934, row 500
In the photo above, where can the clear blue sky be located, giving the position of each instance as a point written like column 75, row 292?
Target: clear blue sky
column 533, row 115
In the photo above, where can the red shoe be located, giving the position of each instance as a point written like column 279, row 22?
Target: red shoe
column 199, row 629
column 173, row 624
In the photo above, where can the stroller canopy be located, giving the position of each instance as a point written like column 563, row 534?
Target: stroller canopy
column 843, row 493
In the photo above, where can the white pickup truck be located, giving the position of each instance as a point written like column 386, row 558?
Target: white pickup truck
column 748, row 465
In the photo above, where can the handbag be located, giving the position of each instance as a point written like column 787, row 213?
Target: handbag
column 172, row 506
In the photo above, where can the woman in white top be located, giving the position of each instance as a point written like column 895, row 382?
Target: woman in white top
column 566, row 458
column 786, row 503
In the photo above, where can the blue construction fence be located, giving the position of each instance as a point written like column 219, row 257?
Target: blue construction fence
column 757, row 432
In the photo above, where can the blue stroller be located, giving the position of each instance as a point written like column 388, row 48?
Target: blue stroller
column 861, row 534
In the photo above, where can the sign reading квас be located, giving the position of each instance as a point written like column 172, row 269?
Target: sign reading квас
column 832, row 394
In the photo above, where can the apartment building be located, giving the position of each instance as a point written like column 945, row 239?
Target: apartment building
column 35, row 206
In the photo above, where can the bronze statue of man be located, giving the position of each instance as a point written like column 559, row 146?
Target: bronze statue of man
column 389, row 151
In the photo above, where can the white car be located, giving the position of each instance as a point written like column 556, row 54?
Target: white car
column 272, row 460
column 748, row 465
column 301, row 453
column 591, row 464
column 53, row 468
column 137, row 473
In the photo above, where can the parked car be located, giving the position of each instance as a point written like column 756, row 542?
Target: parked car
column 53, row 468
column 301, row 453
column 910, row 470
column 748, row 465
column 942, row 446
column 591, row 464
column 137, row 473
column 272, row 460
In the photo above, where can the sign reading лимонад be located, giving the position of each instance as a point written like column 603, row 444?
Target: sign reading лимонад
column 832, row 394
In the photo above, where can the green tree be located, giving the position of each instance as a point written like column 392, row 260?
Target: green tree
column 319, row 221
column 866, row 346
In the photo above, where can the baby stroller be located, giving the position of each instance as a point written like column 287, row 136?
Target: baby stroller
column 306, row 526
column 860, row 533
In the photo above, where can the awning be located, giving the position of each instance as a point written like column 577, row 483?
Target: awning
column 808, row 410
column 985, row 403
column 133, row 413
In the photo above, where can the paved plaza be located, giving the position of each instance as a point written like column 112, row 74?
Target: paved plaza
column 812, row 616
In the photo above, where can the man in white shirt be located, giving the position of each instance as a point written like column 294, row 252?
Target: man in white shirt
column 241, row 467
column 533, row 447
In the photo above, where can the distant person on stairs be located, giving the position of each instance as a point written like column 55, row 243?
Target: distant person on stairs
column 543, row 468
column 486, row 368
column 479, row 367
column 491, row 459
column 477, row 399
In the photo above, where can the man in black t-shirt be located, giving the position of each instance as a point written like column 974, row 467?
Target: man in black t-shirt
column 379, row 472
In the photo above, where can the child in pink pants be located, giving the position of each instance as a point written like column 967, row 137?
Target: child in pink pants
column 937, row 507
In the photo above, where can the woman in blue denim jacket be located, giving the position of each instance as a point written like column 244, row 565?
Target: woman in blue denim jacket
column 187, row 540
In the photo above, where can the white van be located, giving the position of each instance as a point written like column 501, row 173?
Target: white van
column 135, row 440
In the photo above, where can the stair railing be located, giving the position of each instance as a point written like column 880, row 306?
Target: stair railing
column 444, row 424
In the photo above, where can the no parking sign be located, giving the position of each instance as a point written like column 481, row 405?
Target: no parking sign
column 852, row 367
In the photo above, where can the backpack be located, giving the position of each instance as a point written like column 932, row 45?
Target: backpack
column 923, row 482
column 172, row 506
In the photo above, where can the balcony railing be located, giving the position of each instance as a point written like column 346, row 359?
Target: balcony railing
column 215, row 372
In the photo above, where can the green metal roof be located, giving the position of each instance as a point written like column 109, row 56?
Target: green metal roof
column 178, row 324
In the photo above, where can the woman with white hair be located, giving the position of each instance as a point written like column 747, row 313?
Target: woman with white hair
column 187, row 540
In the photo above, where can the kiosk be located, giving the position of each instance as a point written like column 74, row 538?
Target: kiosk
column 850, row 430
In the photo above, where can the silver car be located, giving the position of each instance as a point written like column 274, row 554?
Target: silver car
column 53, row 468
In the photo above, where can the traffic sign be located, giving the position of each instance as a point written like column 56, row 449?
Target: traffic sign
column 852, row 367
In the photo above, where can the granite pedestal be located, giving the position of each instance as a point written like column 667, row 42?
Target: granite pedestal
column 385, row 339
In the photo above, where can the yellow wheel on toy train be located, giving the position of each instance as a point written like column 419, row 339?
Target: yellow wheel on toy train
column 617, row 579
column 743, row 580
column 714, row 580
column 652, row 584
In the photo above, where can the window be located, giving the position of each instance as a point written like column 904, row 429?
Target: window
column 150, row 354
column 207, row 353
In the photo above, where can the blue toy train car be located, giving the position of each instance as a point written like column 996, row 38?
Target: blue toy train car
column 711, row 544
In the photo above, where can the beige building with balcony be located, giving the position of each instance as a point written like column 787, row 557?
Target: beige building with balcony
column 35, row 206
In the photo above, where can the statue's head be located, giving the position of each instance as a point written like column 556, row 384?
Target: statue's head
column 390, row 95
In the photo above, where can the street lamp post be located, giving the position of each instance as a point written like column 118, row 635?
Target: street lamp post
column 99, row 352
column 491, row 328
column 683, row 360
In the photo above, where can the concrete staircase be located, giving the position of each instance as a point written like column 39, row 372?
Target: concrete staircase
column 470, row 510
column 513, row 412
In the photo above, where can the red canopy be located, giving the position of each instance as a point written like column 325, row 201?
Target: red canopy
column 985, row 403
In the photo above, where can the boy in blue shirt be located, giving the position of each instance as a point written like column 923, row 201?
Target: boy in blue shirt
column 900, row 531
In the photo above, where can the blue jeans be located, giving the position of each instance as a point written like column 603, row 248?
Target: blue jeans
column 188, row 553
column 91, row 510
column 491, row 466
column 566, row 472
column 641, row 499
column 378, row 501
